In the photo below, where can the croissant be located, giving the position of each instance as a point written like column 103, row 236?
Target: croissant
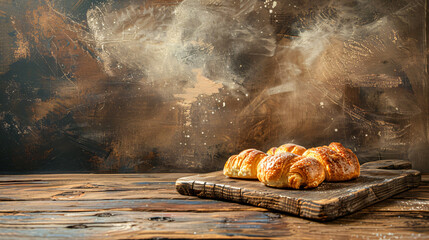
column 244, row 165
column 340, row 163
column 288, row 170
column 288, row 147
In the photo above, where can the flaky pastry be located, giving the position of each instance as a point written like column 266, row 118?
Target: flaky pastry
column 288, row 170
column 340, row 163
column 288, row 147
column 244, row 165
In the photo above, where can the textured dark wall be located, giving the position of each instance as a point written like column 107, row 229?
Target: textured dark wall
column 137, row 86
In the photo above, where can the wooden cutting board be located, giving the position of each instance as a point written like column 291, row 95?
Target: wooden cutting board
column 378, row 181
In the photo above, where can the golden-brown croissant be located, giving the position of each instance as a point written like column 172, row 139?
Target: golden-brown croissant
column 244, row 165
column 287, row 170
column 340, row 163
column 288, row 147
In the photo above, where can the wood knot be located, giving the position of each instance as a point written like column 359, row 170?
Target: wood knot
column 67, row 195
column 78, row 226
column 161, row 219
column 105, row 214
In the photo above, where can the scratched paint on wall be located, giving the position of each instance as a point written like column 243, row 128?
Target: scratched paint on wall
column 136, row 86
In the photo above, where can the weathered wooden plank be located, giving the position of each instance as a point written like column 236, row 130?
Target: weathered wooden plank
column 167, row 177
column 387, row 164
column 244, row 224
column 84, row 187
column 162, row 205
column 100, row 192
column 422, row 192
column 397, row 205
column 326, row 202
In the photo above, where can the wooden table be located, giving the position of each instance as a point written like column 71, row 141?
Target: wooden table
column 132, row 206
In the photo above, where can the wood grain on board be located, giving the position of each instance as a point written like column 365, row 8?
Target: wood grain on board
column 326, row 202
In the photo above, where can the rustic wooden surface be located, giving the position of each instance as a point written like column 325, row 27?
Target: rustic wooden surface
column 387, row 164
column 135, row 206
column 326, row 202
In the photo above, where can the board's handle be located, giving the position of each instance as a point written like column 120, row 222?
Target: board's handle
column 387, row 164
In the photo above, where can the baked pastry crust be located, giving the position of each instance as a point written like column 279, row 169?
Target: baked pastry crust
column 288, row 170
column 244, row 165
column 340, row 163
column 288, row 147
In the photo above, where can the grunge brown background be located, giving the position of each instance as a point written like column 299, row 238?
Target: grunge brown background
column 159, row 86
